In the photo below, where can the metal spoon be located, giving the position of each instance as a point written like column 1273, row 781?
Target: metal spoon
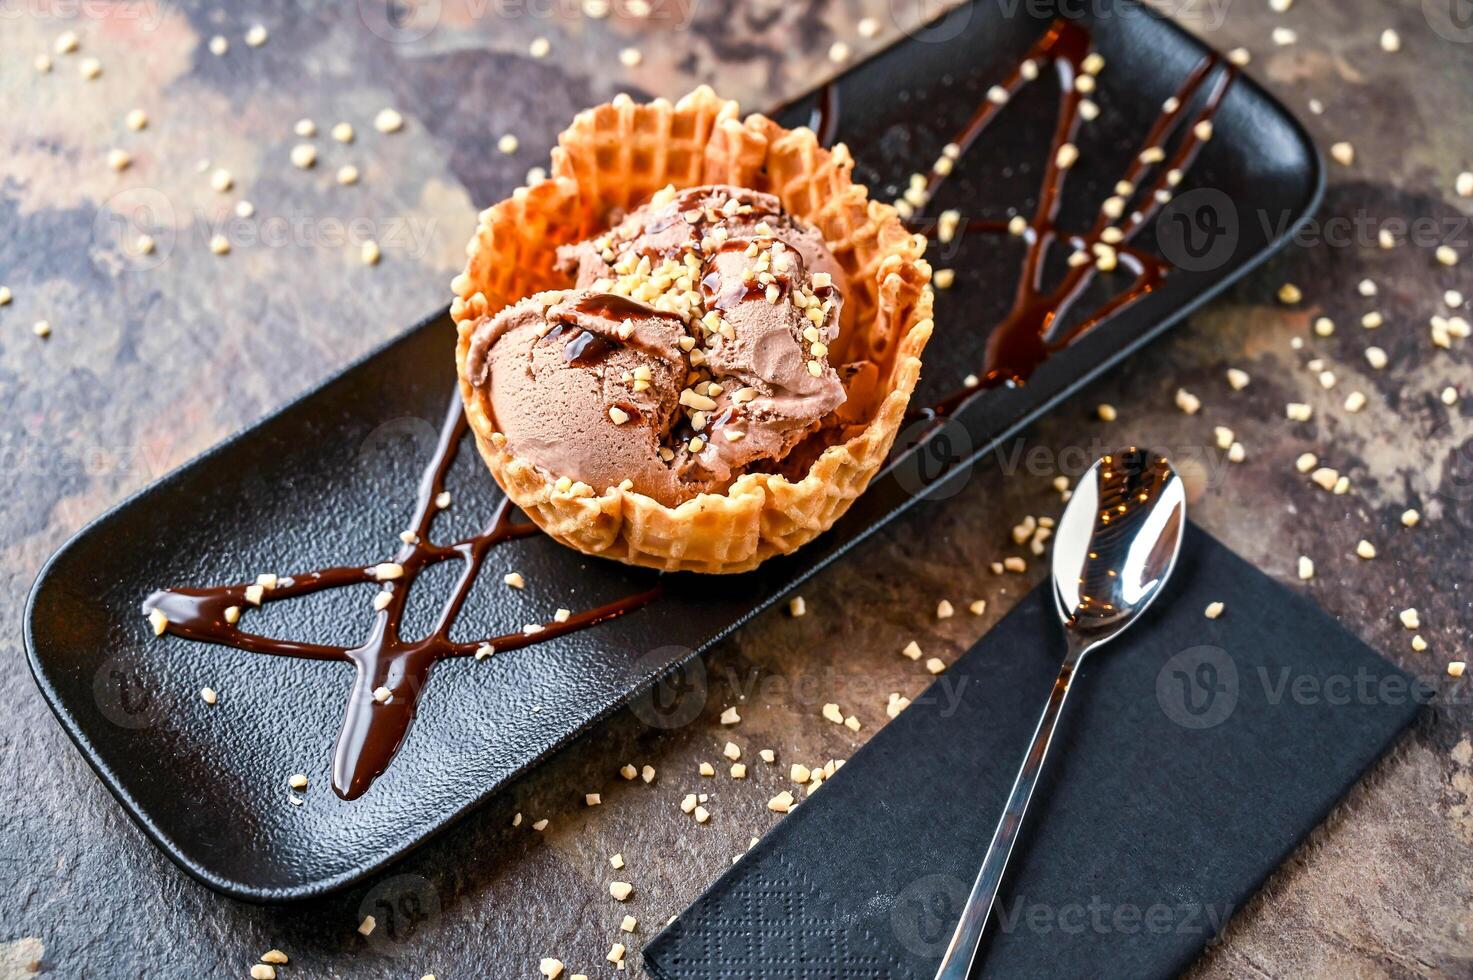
column 1114, row 549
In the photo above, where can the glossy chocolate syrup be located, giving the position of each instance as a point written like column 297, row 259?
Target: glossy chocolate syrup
column 372, row 731
column 1034, row 327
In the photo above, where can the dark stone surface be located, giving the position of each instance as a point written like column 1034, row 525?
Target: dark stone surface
column 153, row 359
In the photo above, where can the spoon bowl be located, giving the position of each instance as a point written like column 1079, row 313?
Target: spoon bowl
column 1114, row 549
column 1117, row 543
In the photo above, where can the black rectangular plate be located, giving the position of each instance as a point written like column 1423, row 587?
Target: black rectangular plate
column 331, row 480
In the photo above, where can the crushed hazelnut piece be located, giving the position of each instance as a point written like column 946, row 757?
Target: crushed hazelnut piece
column 621, row 890
column 1107, row 413
column 1306, row 568
column 730, row 717
column 1410, row 618
column 1188, row 402
column 781, row 803
column 366, row 927
column 832, row 713
column 797, row 607
column 208, row 695
column 1213, row 610
column 944, row 610
column 1456, row 668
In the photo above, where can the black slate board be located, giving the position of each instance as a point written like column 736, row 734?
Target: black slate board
column 330, row 480
column 1193, row 756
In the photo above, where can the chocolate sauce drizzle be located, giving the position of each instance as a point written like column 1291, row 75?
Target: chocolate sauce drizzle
column 1034, row 327
column 373, row 730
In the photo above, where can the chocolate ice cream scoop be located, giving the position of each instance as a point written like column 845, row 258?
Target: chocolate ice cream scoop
column 695, row 349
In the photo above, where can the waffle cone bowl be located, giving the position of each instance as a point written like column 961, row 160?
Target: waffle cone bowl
column 614, row 158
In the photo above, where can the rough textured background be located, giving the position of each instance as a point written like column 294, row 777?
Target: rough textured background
column 154, row 358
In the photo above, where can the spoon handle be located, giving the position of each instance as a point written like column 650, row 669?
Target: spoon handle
column 961, row 954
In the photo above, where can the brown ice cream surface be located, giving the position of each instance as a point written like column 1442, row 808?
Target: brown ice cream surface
column 693, row 348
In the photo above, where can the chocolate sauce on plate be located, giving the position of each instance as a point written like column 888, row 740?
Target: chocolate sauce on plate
column 373, row 730
column 1034, row 327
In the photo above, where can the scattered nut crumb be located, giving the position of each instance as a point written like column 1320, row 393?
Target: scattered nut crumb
column 1213, row 610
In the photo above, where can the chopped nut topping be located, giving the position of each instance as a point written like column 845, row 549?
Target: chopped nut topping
column 621, row 890
column 382, row 694
column 730, row 716
column 1365, row 549
column 1410, row 618
column 1306, row 568
column 912, row 650
column 1289, row 294
column 515, row 580
column 1188, row 402
column 781, row 803
column 1107, row 412
column 832, row 713
column 366, row 927
column 1213, row 610
column 935, row 665
column 1237, row 379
